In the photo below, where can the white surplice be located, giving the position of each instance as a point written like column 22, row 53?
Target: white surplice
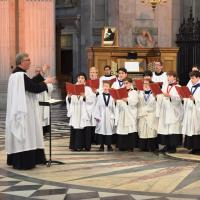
column 147, row 120
column 105, row 116
column 170, row 112
column 44, row 110
column 104, row 78
column 191, row 120
column 160, row 78
column 23, row 124
column 126, row 114
column 116, row 84
column 80, row 111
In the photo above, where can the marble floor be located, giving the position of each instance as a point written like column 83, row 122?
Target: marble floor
column 100, row 175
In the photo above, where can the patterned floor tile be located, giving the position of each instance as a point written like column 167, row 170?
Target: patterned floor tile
column 115, row 167
column 108, row 194
column 49, row 192
column 82, row 196
column 53, row 197
column 20, row 193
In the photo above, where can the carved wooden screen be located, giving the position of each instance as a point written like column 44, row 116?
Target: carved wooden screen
column 188, row 41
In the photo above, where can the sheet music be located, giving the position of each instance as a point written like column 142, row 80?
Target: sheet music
column 132, row 66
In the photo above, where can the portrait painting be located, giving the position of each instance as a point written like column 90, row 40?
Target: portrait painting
column 109, row 36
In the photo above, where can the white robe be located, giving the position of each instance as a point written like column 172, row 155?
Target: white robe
column 104, row 78
column 116, row 85
column 105, row 116
column 80, row 111
column 161, row 78
column 170, row 113
column 126, row 115
column 189, row 84
column 90, row 106
column 23, row 124
column 44, row 110
column 147, row 120
column 191, row 120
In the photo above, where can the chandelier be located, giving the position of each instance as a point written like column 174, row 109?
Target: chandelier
column 154, row 3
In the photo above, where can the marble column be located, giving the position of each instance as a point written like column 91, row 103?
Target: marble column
column 7, row 45
column 37, row 31
column 26, row 26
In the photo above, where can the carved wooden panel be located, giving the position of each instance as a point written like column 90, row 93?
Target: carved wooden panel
column 101, row 56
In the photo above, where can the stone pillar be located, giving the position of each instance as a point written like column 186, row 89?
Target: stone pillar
column 7, row 45
column 26, row 26
column 37, row 31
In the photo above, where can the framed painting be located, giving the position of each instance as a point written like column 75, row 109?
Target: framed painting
column 109, row 37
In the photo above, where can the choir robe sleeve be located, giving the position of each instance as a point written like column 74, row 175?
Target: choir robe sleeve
column 68, row 103
column 191, row 118
column 197, row 100
column 100, row 84
column 90, row 100
column 159, row 101
column 133, row 99
column 35, row 85
column 97, row 111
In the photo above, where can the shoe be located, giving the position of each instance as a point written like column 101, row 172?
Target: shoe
column 195, row 152
column 78, row 150
column 163, row 150
column 171, row 151
column 101, row 148
column 110, row 148
column 131, row 150
column 87, row 149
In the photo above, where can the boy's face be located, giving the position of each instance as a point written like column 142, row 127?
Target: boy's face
column 106, row 87
column 107, row 71
column 146, row 85
column 122, row 75
column 93, row 74
column 81, row 80
column 194, row 79
column 171, row 79
column 128, row 85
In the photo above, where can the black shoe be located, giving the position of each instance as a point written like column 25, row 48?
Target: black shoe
column 195, row 152
column 78, row 150
column 101, row 148
column 131, row 150
column 110, row 148
column 163, row 150
column 86, row 149
column 171, row 150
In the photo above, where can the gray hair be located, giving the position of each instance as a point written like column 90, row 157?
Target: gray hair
column 20, row 57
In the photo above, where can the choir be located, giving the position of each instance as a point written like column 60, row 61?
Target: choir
column 143, row 119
